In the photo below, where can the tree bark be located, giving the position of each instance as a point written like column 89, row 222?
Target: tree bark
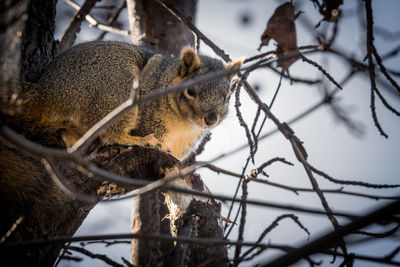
column 38, row 46
column 153, row 25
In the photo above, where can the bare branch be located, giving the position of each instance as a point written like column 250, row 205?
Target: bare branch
column 11, row 230
column 69, row 36
column 383, row 69
column 63, row 185
column 113, row 18
column 242, row 123
column 105, row 242
column 273, row 225
column 392, row 254
column 134, row 27
column 371, row 65
column 386, row 104
column 347, row 182
column 380, row 235
column 100, row 26
column 242, row 223
column 322, row 70
column 95, row 256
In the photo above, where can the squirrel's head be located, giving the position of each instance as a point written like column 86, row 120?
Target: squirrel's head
column 204, row 104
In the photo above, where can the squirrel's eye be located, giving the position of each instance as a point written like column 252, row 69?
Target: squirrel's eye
column 191, row 92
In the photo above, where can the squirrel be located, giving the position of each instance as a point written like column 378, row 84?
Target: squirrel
column 86, row 82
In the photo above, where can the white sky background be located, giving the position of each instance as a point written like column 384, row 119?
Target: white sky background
column 330, row 146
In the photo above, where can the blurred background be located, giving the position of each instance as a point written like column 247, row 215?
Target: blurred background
column 363, row 155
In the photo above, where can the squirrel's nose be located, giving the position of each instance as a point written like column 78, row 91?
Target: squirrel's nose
column 211, row 118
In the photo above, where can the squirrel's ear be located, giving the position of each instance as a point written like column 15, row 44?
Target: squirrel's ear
column 189, row 61
column 234, row 65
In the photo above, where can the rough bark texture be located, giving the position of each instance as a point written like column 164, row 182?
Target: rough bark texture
column 207, row 226
column 38, row 47
column 159, row 28
column 146, row 220
column 13, row 15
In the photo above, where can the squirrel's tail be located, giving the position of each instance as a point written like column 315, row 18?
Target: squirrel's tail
column 16, row 96
column 21, row 109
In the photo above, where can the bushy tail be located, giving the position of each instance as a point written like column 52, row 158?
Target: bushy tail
column 16, row 96
column 21, row 109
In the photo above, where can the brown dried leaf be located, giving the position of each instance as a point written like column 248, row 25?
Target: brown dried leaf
column 281, row 28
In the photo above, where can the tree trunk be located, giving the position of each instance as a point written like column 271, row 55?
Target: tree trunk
column 153, row 25
column 159, row 28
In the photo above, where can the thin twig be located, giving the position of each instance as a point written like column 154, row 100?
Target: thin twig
column 242, row 223
column 273, row 225
column 294, row 79
column 383, row 69
column 391, row 53
column 63, row 185
column 371, row 65
column 322, row 70
column 348, row 182
column 69, row 36
column 380, row 235
column 386, row 104
column 70, row 258
column 92, row 255
column 127, row 263
column 63, row 256
column 105, row 242
column 112, row 19
column 253, row 129
column 242, row 123
column 392, row 254
column 95, row 23
column 12, row 229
